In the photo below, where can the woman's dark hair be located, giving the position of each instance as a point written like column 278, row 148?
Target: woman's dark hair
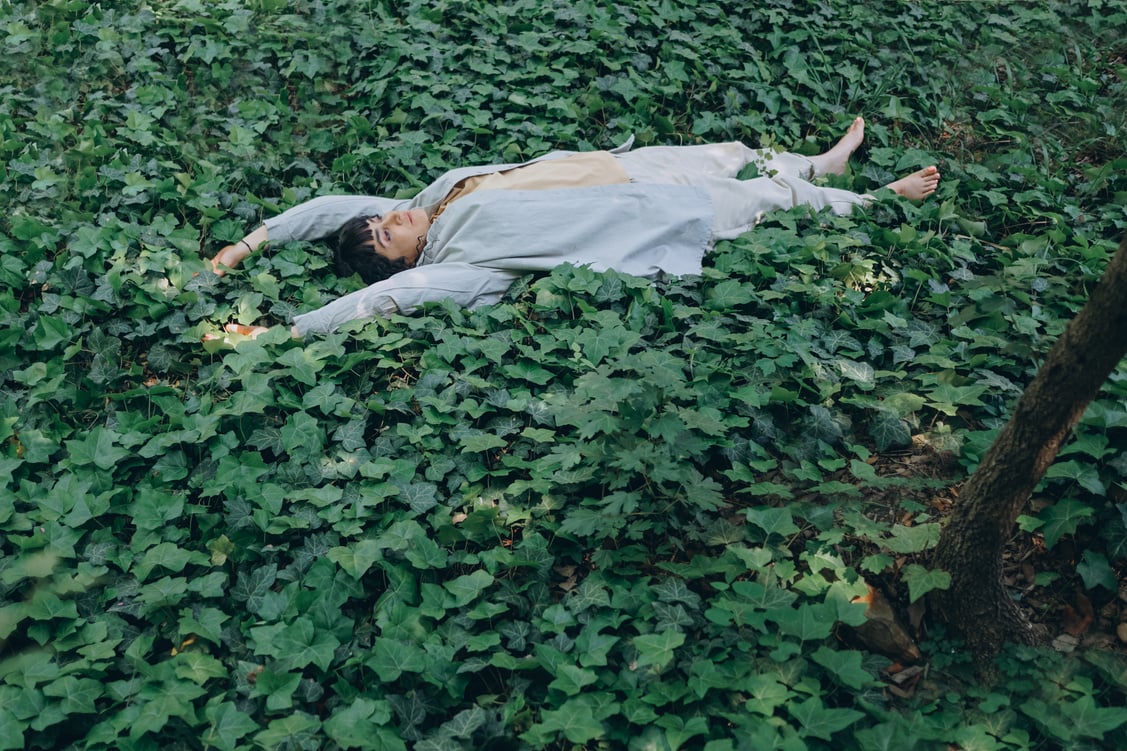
column 356, row 253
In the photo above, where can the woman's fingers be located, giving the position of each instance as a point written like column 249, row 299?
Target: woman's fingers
column 226, row 258
column 251, row 331
column 238, row 329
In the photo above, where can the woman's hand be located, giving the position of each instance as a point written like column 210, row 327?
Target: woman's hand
column 251, row 331
column 213, row 342
column 229, row 257
column 238, row 332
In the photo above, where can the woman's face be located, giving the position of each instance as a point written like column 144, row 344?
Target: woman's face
column 400, row 234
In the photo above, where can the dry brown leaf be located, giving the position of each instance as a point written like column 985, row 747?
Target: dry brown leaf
column 1076, row 621
column 882, row 632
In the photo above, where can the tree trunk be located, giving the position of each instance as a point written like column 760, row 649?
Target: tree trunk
column 977, row 605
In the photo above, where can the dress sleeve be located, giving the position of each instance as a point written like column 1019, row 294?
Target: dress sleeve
column 323, row 216
column 466, row 284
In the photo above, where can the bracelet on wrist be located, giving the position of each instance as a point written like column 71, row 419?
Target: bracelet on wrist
column 249, row 248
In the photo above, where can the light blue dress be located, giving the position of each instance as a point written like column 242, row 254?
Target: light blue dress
column 679, row 202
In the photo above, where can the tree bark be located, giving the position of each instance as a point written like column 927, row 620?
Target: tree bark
column 977, row 605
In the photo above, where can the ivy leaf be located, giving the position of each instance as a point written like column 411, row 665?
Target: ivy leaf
column 571, row 679
column 465, row 723
column 482, row 441
column 705, row 676
column 915, row 539
column 302, row 643
column 729, row 294
column 657, row 649
column 528, row 371
column 294, row 730
column 807, row 622
column 766, row 694
column 466, row 589
column 921, row 580
column 1095, row 570
column 575, row 719
column 198, row 667
column 425, row 553
column 421, row 497
column 166, row 555
column 1063, row 517
column 1093, row 721
column 76, row 694
column 861, row 373
column 253, row 587
column 361, row 724
column 356, row 558
column 11, row 731
column 889, row 431
column 227, row 726
column 97, row 448
column 845, row 667
column 773, row 521
column 302, row 436
column 821, row 721
column 1084, row 475
column 390, row 658
column 949, row 399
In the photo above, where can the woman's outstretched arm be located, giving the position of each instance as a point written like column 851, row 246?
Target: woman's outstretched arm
column 314, row 219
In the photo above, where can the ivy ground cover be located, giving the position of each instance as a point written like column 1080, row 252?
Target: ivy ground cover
column 604, row 513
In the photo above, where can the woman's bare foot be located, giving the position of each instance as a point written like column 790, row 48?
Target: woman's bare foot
column 833, row 162
column 917, row 185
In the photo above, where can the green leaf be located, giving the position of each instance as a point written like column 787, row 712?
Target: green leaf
column 571, row 679
column 295, row 645
column 1084, row 475
column 766, row 694
column 356, row 558
column 466, row 589
column 482, row 442
column 361, row 724
column 46, row 605
column 705, row 676
column 773, row 521
column 949, row 399
column 198, row 667
column 807, row 622
column 1063, row 518
column 915, row 539
column 226, row 726
column 167, row 556
column 921, row 580
column 278, row 686
column 845, row 667
column 657, row 649
column 97, row 448
column 11, row 731
column 294, row 730
column 889, row 431
column 1094, row 721
column 575, row 719
column 1095, row 570
column 390, row 658
column 302, row 365
column 302, row 435
column 821, row 721
column 77, row 695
